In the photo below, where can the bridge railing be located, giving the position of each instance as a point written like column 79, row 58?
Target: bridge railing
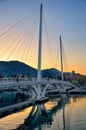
column 9, row 82
column 12, row 79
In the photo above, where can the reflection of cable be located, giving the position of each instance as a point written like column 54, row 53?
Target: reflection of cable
column 40, row 115
column 68, row 113
column 64, row 117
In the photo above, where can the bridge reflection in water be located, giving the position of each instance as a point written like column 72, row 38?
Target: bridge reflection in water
column 40, row 116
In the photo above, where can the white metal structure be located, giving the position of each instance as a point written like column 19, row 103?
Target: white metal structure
column 40, row 44
column 61, row 57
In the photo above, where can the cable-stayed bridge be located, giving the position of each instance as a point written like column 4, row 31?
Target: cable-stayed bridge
column 36, row 83
column 39, row 87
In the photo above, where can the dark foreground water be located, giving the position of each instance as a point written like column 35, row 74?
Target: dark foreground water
column 65, row 113
column 11, row 97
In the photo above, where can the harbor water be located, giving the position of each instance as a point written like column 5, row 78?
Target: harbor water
column 63, row 113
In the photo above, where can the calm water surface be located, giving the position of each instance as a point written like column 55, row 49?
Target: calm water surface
column 66, row 113
column 11, row 97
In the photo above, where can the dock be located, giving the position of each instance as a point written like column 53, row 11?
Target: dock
column 4, row 111
column 77, row 91
column 7, row 110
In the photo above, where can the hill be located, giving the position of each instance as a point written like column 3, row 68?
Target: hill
column 13, row 68
column 52, row 73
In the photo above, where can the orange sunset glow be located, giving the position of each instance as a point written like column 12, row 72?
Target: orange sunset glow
column 19, row 36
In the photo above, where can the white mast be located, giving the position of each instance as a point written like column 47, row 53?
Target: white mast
column 40, row 44
column 61, row 58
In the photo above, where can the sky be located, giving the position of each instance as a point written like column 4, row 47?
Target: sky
column 60, row 17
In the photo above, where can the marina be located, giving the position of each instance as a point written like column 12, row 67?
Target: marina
column 21, row 103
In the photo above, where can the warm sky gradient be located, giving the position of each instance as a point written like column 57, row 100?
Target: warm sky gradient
column 65, row 17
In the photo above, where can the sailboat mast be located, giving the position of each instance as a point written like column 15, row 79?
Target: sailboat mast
column 61, row 58
column 40, row 44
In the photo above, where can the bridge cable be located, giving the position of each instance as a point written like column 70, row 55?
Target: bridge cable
column 50, row 54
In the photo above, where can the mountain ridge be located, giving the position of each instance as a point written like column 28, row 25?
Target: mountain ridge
column 13, row 68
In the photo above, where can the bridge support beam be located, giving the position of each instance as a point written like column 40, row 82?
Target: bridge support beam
column 37, row 90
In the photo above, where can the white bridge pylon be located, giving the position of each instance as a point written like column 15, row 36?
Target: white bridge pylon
column 38, row 87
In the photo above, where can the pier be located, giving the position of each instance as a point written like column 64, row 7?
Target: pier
column 4, row 111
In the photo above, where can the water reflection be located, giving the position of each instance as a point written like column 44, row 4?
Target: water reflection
column 63, row 113
column 40, row 115
column 11, row 97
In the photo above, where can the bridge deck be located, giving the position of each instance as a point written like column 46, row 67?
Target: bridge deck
column 12, row 84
